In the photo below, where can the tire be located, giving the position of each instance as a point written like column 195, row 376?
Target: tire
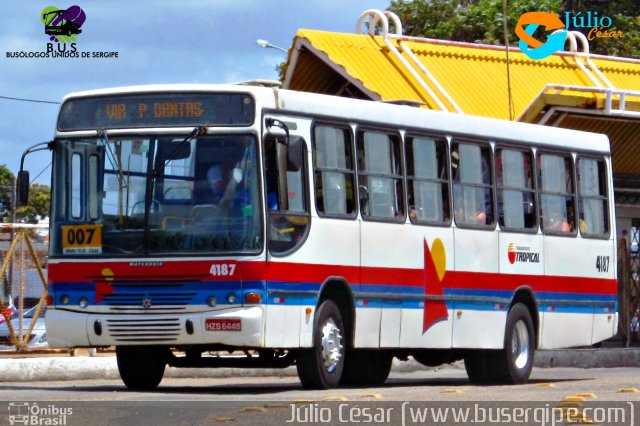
column 141, row 367
column 321, row 366
column 366, row 367
column 513, row 364
column 477, row 365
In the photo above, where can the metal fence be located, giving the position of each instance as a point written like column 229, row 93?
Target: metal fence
column 24, row 288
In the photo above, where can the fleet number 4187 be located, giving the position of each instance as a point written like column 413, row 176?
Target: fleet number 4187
column 222, row 269
column 602, row 263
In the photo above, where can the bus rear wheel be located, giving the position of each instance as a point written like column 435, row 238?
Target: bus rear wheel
column 141, row 367
column 321, row 366
column 513, row 364
column 365, row 367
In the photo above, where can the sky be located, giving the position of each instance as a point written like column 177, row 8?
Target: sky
column 195, row 41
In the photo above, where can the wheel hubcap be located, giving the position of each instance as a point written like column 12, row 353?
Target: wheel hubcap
column 520, row 344
column 331, row 346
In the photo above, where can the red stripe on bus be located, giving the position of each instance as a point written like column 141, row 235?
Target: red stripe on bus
column 317, row 273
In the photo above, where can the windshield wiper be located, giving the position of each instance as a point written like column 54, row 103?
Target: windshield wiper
column 162, row 162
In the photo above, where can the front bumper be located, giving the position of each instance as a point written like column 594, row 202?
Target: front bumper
column 67, row 329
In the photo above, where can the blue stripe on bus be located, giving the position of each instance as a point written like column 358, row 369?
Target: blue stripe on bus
column 198, row 293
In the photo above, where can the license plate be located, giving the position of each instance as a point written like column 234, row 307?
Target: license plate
column 82, row 239
column 226, row 324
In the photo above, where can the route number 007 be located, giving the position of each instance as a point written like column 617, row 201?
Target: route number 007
column 222, row 269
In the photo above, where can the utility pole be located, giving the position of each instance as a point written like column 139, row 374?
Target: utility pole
column 14, row 198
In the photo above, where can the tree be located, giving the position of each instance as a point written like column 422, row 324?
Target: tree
column 38, row 208
column 39, row 200
column 6, row 183
column 480, row 21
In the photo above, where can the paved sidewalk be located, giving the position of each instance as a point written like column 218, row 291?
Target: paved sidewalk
column 18, row 368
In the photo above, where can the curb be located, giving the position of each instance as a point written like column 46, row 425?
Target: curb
column 588, row 358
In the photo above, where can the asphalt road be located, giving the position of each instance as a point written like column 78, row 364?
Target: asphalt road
column 271, row 400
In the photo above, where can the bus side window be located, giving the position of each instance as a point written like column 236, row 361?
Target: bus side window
column 287, row 205
column 557, row 200
column 380, row 176
column 472, row 184
column 516, row 197
column 334, row 171
column 427, row 180
column 592, row 195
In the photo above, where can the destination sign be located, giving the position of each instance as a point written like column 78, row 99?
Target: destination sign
column 157, row 110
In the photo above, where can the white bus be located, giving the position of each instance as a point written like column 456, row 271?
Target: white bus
column 281, row 228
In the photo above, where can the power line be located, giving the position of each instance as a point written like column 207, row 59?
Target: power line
column 28, row 100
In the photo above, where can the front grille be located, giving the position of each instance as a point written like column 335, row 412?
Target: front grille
column 148, row 297
column 157, row 298
column 144, row 329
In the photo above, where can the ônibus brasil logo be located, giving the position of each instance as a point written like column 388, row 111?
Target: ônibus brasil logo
column 62, row 25
column 530, row 46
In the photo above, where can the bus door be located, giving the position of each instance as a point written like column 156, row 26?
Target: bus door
column 80, row 200
column 290, row 287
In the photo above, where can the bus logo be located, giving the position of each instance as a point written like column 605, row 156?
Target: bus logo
column 146, row 302
column 19, row 413
column 63, row 24
column 522, row 254
column 512, row 253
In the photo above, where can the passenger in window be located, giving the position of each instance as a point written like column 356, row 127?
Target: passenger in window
column 556, row 222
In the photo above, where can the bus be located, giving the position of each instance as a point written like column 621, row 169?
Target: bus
column 236, row 225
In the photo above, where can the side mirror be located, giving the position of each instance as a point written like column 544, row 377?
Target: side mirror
column 295, row 154
column 22, row 188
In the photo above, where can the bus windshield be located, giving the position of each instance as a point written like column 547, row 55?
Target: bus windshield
column 156, row 196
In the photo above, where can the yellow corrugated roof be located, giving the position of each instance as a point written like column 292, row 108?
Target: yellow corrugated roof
column 474, row 75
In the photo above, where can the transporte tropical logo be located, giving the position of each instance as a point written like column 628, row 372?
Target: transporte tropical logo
column 522, row 254
column 534, row 48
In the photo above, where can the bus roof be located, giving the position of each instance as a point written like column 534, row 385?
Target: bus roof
column 336, row 108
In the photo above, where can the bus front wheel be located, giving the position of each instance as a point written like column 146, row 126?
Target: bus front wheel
column 140, row 367
column 320, row 367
